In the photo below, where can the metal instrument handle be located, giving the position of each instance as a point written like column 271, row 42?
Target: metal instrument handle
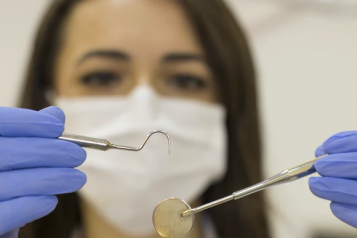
column 288, row 175
column 85, row 141
column 285, row 176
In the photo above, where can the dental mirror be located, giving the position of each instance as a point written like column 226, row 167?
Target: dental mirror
column 168, row 220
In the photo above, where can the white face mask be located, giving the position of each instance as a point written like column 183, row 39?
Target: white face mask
column 123, row 186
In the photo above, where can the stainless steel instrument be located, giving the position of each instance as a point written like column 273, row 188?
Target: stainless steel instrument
column 103, row 144
column 173, row 217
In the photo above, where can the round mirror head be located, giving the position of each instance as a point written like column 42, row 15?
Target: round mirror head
column 168, row 221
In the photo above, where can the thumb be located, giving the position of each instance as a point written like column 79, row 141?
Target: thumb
column 55, row 112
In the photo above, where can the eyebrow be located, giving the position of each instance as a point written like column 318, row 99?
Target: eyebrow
column 182, row 57
column 120, row 55
column 112, row 54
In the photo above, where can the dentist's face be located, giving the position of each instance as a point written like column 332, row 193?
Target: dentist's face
column 111, row 46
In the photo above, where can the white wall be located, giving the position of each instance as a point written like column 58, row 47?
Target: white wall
column 18, row 21
column 308, row 90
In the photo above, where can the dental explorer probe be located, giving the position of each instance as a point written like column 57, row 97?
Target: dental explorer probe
column 173, row 217
column 103, row 144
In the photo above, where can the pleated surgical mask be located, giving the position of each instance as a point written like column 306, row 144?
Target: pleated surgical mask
column 124, row 187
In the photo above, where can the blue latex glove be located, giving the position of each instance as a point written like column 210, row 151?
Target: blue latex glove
column 34, row 166
column 339, row 173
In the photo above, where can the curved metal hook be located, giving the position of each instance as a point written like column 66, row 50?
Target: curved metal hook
column 143, row 144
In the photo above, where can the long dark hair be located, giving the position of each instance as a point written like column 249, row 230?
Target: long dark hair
column 230, row 60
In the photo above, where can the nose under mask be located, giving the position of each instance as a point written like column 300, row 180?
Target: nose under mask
column 124, row 187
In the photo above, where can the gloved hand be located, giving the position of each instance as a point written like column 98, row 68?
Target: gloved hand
column 34, row 166
column 339, row 173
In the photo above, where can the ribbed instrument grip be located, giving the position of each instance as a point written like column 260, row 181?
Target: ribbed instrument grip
column 84, row 141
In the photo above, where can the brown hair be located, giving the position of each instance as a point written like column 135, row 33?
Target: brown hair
column 230, row 61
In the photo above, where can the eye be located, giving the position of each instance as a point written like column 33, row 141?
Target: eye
column 187, row 82
column 101, row 79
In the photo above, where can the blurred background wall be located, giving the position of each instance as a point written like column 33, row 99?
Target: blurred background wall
column 306, row 55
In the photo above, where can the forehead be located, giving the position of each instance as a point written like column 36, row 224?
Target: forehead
column 137, row 26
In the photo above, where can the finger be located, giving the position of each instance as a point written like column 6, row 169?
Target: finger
column 40, row 181
column 22, row 153
column 344, row 212
column 55, row 112
column 334, row 189
column 18, row 122
column 343, row 142
column 342, row 165
column 320, row 151
column 17, row 212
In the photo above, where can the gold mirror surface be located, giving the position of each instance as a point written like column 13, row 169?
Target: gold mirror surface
column 168, row 221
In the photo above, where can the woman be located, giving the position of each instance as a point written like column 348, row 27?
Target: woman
column 182, row 65
column 210, row 62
